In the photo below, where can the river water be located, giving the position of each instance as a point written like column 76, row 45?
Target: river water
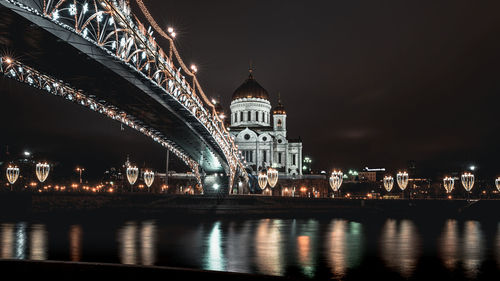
column 310, row 248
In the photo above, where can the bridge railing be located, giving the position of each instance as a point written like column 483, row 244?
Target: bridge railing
column 110, row 25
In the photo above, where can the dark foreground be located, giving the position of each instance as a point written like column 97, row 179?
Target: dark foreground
column 58, row 270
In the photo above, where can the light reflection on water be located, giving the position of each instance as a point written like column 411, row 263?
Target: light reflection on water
column 400, row 246
column 310, row 248
column 466, row 247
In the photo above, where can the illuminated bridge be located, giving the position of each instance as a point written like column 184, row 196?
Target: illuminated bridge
column 96, row 53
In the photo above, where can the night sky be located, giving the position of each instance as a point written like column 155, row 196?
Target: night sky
column 364, row 83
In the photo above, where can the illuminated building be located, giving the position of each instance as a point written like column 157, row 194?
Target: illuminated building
column 260, row 133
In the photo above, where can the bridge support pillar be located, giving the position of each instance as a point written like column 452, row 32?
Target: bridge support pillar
column 216, row 184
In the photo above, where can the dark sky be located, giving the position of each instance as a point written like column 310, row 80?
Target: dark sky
column 365, row 83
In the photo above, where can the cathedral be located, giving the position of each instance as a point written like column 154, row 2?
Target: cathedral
column 260, row 131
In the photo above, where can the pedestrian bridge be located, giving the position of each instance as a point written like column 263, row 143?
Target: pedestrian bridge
column 96, row 53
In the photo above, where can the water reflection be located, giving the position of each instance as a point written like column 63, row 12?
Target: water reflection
column 400, row 246
column 306, row 247
column 269, row 247
column 214, row 258
column 129, row 240
column 7, row 240
column 21, row 241
column 75, row 242
column 344, row 247
column 472, row 248
column 238, row 247
column 469, row 249
column 38, row 246
column 449, row 244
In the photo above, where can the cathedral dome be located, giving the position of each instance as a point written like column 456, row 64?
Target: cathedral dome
column 250, row 89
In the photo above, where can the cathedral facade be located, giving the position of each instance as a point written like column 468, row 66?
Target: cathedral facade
column 259, row 131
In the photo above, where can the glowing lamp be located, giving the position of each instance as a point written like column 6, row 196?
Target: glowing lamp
column 272, row 177
column 388, row 183
column 467, row 181
column 12, row 174
column 402, row 179
column 448, row 184
column 42, row 171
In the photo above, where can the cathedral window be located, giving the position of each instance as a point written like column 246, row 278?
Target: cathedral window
column 264, row 155
column 279, row 157
column 279, row 123
column 249, row 116
column 257, row 116
column 241, row 116
column 294, row 159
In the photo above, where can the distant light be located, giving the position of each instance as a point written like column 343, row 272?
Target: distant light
column 170, row 30
column 194, row 68
column 8, row 60
column 27, row 153
column 216, row 186
column 472, row 167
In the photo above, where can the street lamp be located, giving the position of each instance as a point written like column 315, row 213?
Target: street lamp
column 132, row 175
column 448, row 184
column 388, row 183
column 468, row 182
column 149, row 177
column 262, row 179
column 12, row 175
column 336, row 179
column 402, row 179
column 42, row 171
column 272, row 177
column 80, row 170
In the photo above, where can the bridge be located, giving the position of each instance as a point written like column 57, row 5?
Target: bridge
column 52, row 45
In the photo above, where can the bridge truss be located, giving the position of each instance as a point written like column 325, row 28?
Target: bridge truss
column 110, row 25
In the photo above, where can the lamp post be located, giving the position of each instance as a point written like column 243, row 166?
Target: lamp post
column 388, row 183
column 402, row 179
column 335, row 181
column 262, row 179
column 448, row 183
column 468, row 183
column 80, row 171
column 132, row 175
column 149, row 177
column 272, row 177
column 42, row 171
column 12, row 174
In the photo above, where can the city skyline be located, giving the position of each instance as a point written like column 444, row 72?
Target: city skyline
column 359, row 120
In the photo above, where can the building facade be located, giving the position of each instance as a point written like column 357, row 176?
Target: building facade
column 260, row 131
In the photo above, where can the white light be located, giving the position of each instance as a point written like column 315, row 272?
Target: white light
column 216, row 186
column 472, row 167
column 388, row 183
column 149, row 177
column 336, row 180
column 402, row 179
column 55, row 15
column 468, row 181
column 170, row 30
column 72, row 9
column 132, row 174
column 448, row 184
column 12, row 174
column 42, row 171
column 27, row 153
column 272, row 177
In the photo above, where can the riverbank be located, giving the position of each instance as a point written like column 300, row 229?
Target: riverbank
column 28, row 204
